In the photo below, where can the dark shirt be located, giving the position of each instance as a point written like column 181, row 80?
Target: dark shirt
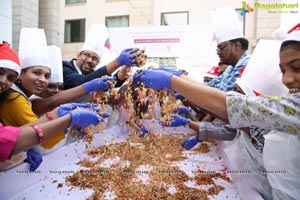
column 72, row 78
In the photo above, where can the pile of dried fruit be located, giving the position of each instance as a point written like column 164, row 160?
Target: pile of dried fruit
column 164, row 179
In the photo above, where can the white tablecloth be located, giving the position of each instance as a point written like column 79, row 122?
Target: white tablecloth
column 17, row 183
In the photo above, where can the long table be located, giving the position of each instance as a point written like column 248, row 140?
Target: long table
column 48, row 181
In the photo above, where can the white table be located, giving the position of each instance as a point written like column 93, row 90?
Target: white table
column 17, row 183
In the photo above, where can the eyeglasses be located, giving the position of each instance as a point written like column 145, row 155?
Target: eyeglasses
column 221, row 48
column 87, row 55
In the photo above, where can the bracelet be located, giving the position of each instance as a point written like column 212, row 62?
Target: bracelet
column 39, row 132
column 49, row 116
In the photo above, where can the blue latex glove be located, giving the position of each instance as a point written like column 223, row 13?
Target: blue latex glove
column 128, row 57
column 105, row 115
column 179, row 96
column 170, row 70
column 34, row 159
column 98, row 84
column 183, row 110
column 190, row 142
column 68, row 107
column 142, row 129
column 81, row 118
column 144, row 132
column 176, row 121
column 156, row 79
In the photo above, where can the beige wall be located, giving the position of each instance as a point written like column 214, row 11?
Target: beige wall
column 49, row 16
column 25, row 14
column 36, row 14
column 258, row 24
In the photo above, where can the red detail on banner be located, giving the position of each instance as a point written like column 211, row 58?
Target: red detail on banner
column 157, row 40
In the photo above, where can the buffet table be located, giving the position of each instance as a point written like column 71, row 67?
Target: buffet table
column 48, row 181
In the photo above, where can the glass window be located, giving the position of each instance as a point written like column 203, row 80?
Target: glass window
column 175, row 18
column 75, row 1
column 75, row 31
column 117, row 21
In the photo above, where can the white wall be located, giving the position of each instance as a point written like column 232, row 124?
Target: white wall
column 6, row 21
column 290, row 20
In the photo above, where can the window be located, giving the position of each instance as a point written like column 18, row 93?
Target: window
column 75, row 1
column 75, row 30
column 175, row 18
column 117, row 21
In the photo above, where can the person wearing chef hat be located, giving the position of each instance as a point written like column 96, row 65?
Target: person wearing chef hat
column 15, row 140
column 40, row 101
column 34, row 77
column 54, row 95
column 56, row 82
column 82, row 68
column 232, row 47
column 16, row 109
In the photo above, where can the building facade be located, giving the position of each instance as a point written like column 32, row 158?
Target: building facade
column 66, row 22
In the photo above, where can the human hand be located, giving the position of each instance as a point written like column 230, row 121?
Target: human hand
column 183, row 110
column 179, row 96
column 176, row 121
column 170, row 70
column 34, row 159
column 98, row 84
column 105, row 115
column 156, row 79
column 65, row 109
column 144, row 132
column 128, row 57
column 190, row 142
column 82, row 118
column 142, row 129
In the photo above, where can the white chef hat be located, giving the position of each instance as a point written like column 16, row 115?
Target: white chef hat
column 55, row 59
column 225, row 24
column 262, row 73
column 33, row 48
column 96, row 39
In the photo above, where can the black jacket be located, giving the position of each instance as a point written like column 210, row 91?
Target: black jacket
column 72, row 78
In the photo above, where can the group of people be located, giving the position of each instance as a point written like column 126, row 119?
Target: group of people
column 274, row 161
column 32, row 102
column 35, row 111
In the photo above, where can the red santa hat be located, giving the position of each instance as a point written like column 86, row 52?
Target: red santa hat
column 213, row 72
column 9, row 58
column 293, row 33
